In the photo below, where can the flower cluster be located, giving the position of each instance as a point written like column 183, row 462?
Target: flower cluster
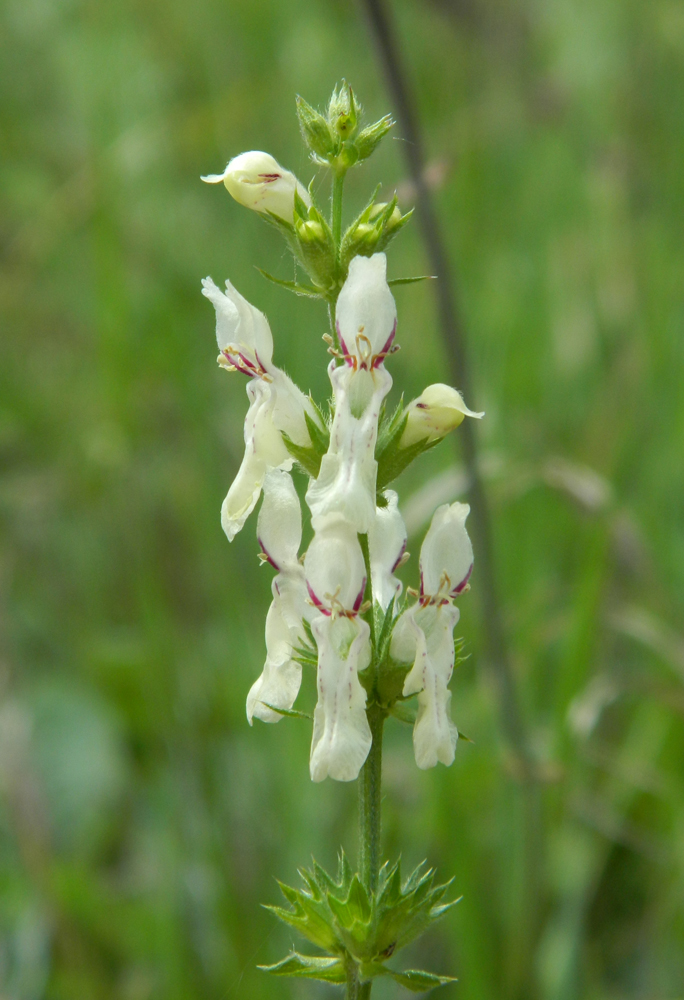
column 329, row 596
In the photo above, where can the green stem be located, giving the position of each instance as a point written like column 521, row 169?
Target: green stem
column 365, row 990
column 338, row 187
column 370, row 801
column 353, row 985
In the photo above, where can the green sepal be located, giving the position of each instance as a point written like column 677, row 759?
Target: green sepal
column 326, row 970
column 391, row 459
column 315, row 130
column 319, row 432
column 290, row 713
column 369, row 137
column 308, row 291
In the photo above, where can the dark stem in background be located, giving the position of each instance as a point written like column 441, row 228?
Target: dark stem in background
column 454, row 340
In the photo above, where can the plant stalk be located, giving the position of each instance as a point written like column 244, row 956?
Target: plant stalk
column 338, row 187
column 370, row 802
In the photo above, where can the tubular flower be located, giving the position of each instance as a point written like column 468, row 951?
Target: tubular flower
column 424, row 635
column 336, row 582
column 341, row 734
column 366, row 314
column 257, row 181
column 438, row 410
column 387, row 545
column 335, row 570
column 279, row 530
column 446, row 556
column 348, row 474
column 366, row 323
column 276, row 404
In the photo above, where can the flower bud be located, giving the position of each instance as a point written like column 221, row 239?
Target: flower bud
column 310, row 232
column 257, row 181
column 381, row 206
column 438, row 410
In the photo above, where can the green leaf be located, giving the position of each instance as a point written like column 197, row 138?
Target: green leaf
column 419, row 982
column 309, row 291
column 411, row 281
column 291, row 713
column 308, row 458
column 326, row 970
column 318, row 432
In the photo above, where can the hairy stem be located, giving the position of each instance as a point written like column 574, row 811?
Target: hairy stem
column 338, row 187
column 370, row 802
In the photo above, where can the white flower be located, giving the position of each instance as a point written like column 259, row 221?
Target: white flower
column 366, row 314
column 347, row 477
column 438, row 410
column 246, row 344
column 242, row 332
column 446, row 556
column 276, row 404
column 341, row 734
column 387, row 544
column 279, row 530
column 424, row 636
column 258, row 181
column 334, row 568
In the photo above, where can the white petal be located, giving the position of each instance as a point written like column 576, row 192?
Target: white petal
column 242, row 331
column 264, row 449
column 290, row 406
column 213, row 178
column 341, row 735
column 386, row 542
column 334, row 567
column 279, row 682
column 446, row 556
column 347, row 478
column 366, row 308
column 279, row 528
column 425, row 634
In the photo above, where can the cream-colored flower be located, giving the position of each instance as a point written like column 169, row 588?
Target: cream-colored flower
column 438, row 410
column 424, row 636
column 257, row 181
column 341, row 735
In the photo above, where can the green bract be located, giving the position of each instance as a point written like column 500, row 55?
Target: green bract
column 357, row 928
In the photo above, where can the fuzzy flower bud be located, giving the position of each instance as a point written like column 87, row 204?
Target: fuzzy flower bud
column 438, row 410
column 257, row 181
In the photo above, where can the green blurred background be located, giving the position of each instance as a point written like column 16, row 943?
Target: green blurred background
column 141, row 821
